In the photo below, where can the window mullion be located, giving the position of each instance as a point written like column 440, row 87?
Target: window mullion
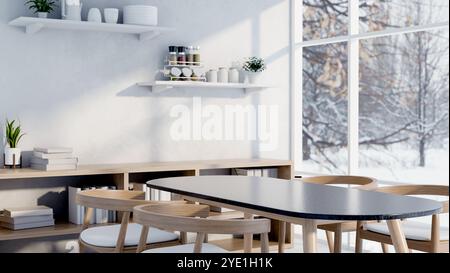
column 353, row 89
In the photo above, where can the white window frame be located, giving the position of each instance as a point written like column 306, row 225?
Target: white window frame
column 352, row 40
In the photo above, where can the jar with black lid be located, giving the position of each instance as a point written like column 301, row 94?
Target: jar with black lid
column 181, row 55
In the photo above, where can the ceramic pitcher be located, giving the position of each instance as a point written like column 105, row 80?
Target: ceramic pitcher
column 71, row 9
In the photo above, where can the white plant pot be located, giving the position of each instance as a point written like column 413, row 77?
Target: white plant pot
column 42, row 14
column 12, row 156
column 253, row 77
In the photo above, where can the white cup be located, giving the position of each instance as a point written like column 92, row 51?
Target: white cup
column 111, row 15
column 95, row 15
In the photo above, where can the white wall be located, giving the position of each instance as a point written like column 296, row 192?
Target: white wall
column 78, row 89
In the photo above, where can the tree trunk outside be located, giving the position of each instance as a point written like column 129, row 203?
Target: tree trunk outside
column 422, row 152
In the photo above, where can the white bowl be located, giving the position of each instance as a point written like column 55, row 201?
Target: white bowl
column 140, row 15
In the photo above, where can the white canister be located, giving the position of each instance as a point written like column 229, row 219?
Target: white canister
column 223, row 75
column 211, row 75
column 111, row 15
column 12, row 156
column 233, row 75
column 94, row 15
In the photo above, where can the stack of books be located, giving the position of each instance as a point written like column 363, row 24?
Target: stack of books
column 53, row 159
column 26, row 217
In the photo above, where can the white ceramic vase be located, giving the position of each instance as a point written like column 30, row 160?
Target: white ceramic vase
column 42, row 14
column 12, row 156
column 253, row 77
column 111, row 15
column 94, row 15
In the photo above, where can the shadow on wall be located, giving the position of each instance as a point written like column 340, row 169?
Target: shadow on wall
column 139, row 91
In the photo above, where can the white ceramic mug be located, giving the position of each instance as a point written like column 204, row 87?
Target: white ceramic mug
column 111, row 15
column 211, row 76
column 95, row 15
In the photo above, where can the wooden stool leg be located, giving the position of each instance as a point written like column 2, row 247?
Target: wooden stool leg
column 330, row 240
column 385, row 248
column 281, row 237
column 338, row 239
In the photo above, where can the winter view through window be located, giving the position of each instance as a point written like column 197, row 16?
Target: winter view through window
column 403, row 90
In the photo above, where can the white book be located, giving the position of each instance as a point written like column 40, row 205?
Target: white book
column 154, row 194
column 53, row 167
column 101, row 215
column 52, row 156
column 27, row 211
column 245, row 172
column 270, row 172
column 74, row 209
column 112, row 215
column 25, row 219
column 54, row 161
column 28, row 225
column 165, row 196
column 257, row 172
column 53, row 150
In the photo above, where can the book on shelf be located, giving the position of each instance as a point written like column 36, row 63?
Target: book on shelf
column 25, row 219
column 28, row 225
column 53, row 150
column 27, row 211
column 54, row 161
column 51, row 156
column 54, row 167
column 77, row 212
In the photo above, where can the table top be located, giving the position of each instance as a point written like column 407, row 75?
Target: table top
column 298, row 199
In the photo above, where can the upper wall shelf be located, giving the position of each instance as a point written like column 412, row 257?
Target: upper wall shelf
column 161, row 86
column 33, row 25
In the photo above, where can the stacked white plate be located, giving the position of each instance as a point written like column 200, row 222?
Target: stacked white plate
column 140, row 15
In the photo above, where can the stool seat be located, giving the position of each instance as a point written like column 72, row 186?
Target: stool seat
column 106, row 236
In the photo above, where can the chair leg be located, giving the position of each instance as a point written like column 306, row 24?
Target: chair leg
column 385, row 248
column 265, row 243
column 330, row 240
column 199, row 242
column 359, row 241
column 338, row 239
column 281, row 237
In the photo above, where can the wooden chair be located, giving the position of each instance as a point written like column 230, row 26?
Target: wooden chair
column 122, row 237
column 419, row 236
column 181, row 217
column 362, row 183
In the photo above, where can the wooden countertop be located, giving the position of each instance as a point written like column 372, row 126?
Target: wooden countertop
column 83, row 170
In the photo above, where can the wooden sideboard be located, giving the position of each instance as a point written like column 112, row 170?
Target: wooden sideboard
column 121, row 174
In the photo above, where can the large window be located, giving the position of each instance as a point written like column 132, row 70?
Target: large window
column 375, row 89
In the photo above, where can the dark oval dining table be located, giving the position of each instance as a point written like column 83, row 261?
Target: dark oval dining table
column 300, row 203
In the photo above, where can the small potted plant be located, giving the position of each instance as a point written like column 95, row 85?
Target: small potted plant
column 13, row 136
column 41, row 7
column 253, row 68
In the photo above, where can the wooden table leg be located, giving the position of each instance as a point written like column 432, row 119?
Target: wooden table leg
column 281, row 237
column 248, row 238
column 397, row 236
column 309, row 236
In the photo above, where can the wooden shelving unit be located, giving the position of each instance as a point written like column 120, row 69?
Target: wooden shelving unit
column 58, row 229
column 162, row 86
column 33, row 25
column 121, row 173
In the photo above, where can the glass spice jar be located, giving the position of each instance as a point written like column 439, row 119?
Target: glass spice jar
column 173, row 58
column 181, row 60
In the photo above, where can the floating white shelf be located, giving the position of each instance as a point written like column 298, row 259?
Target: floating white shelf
column 161, row 86
column 33, row 25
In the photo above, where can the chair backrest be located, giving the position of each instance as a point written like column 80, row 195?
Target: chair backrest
column 365, row 183
column 435, row 190
column 180, row 217
column 117, row 200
